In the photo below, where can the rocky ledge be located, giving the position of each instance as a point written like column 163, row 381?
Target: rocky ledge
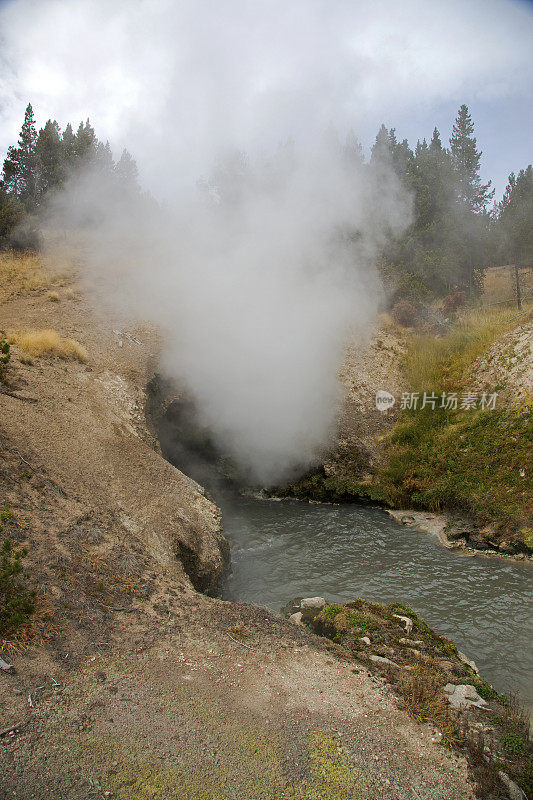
column 435, row 682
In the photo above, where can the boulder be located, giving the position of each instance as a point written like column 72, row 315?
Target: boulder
column 417, row 643
column 364, row 639
column 463, row 696
column 406, row 622
column 296, row 619
column 514, row 791
column 311, row 606
column 384, row 662
column 468, row 662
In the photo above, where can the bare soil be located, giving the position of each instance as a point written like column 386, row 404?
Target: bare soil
column 129, row 683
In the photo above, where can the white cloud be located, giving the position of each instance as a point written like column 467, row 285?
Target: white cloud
column 250, row 72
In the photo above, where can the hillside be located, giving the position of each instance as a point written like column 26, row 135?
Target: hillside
column 128, row 682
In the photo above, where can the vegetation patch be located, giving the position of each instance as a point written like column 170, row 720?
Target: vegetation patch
column 473, row 460
column 48, row 343
column 17, row 601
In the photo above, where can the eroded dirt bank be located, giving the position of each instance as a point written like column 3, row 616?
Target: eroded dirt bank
column 130, row 683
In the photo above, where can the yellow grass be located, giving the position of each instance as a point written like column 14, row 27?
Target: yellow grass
column 26, row 273
column 53, row 296
column 499, row 284
column 438, row 363
column 47, row 343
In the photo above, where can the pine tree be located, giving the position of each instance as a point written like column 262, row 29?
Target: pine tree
column 68, row 147
column 127, row 173
column 466, row 160
column 49, row 154
column 515, row 218
column 85, row 143
column 27, row 158
column 381, row 149
column 11, row 177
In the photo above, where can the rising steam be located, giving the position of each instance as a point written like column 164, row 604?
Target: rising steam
column 254, row 278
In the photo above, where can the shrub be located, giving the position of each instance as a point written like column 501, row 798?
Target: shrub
column 453, row 301
column 48, row 343
column 5, row 355
column 17, row 602
column 404, row 313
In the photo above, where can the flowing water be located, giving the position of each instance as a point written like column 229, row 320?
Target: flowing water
column 282, row 550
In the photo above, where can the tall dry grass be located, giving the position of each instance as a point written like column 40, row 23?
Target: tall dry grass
column 439, row 363
column 47, row 343
column 27, row 273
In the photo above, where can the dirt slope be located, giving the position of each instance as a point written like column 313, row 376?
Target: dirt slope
column 140, row 687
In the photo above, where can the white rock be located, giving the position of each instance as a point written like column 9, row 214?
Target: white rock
column 411, row 642
column 296, row 619
column 311, row 606
column 364, row 639
column 515, row 792
column 384, row 661
column 468, row 661
column 463, row 696
column 407, row 623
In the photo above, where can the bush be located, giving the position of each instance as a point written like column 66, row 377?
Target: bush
column 404, row 313
column 452, row 302
column 5, row 354
column 17, row 602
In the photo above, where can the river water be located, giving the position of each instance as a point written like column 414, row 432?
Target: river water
column 282, row 550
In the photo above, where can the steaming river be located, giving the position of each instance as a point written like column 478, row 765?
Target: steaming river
column 282, row 550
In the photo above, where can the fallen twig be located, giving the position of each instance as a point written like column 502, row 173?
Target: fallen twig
column 20, row 396
column 12, row 729
column 249, row 647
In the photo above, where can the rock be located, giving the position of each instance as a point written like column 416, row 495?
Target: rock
column 411, row 642
column 468, row 661
column 515, row 792
column 384, row 661
column 407, row 519
column 296, row 619
column 311, row 606
column 408, row 623
column 505, row 547
column 5, row 667
column 364, row 639
column 463, row 696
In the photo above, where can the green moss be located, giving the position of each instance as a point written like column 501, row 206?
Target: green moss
column 514, row 743
column 476, row 461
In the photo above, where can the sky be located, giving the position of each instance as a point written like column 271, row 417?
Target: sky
column 181, row 81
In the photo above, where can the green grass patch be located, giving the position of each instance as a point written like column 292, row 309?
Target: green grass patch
column 17, row 602
column 477, row 461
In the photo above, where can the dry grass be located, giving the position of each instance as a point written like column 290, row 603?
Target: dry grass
column 53, row 296
column 25, row 273
column 33, row 344
column 439, row 363
column 499, row 284
column 39, row 627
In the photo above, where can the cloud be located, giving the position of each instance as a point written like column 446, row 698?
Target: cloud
column 254, row 72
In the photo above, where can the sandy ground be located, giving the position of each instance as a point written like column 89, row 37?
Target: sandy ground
column 140, row 686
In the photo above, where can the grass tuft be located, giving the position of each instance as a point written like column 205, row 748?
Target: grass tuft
column 34, row 344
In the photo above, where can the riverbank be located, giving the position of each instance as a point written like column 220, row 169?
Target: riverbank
column 127, row 681
column 472, row 464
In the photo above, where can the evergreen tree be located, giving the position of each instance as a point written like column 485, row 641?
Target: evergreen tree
column 127, row 173
column 11, row 177
column 27, row 158
column 515, row 217
column 85, row 143
column 68, row 146
column 466, row 160
column 49, row 154
column 103, row 158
